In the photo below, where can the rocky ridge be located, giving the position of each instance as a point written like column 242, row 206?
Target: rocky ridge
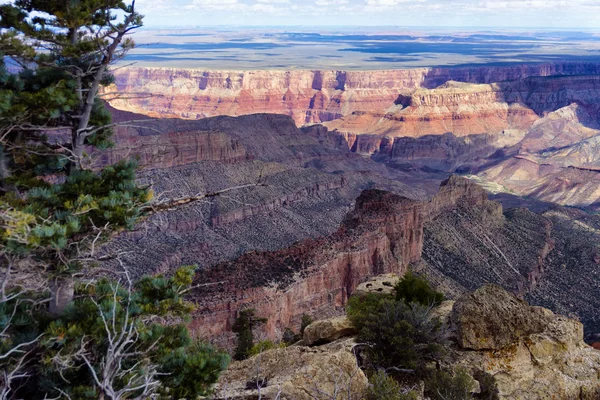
column 384, row 234
column 549, row 258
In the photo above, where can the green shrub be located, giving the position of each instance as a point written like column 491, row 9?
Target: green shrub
column 361, row 307
column 415, row 289
column 265, row 345
column 441, row 385
column 243, row 327
column 396, row 335
column 384, row 387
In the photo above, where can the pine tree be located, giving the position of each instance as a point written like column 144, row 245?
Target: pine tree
column 54, row 211
column 114, row 339
column 121, row 340
column 244, row 328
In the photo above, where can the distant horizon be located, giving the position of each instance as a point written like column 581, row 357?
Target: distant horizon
column 356, row 48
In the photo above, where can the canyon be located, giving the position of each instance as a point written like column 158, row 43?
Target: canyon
column 354, row 192
column 383, row 234
column 459, row 239
column 503, row 125
column 290, row 187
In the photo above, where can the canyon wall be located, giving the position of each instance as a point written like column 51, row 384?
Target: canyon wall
column 305, row 188
column 505, row 109
column 306, row 96
column 384, row 234
column 174, row 149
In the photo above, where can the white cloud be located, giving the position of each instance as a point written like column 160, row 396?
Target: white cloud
column 386, row 5
column 549, row 13
column 331, row 2
column 269, row 9
column 514, row 6
column 274, row 1
column 214, row 5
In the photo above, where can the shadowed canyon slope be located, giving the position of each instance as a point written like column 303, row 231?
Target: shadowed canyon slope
column 292, row 186
column 549, row 258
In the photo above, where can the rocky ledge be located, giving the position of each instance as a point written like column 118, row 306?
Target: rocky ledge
column 529, row 353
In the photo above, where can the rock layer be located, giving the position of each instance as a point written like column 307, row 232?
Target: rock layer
column 296, row 372
column 306, row 96
column 491, row 318
column 327, row 330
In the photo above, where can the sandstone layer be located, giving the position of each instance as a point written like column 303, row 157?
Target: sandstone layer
column 306, row 96
column 327, row 330
column 295, row 373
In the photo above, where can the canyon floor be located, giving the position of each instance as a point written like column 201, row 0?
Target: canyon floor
column 338, row 179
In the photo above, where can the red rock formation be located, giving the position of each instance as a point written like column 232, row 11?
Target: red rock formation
column 460, row 108
column 307, row 96
column 384, row 234
column 557, row 160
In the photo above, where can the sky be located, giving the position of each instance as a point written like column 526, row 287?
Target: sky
column 556, row 14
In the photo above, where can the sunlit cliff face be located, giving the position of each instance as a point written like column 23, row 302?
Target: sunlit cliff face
column 307, row 96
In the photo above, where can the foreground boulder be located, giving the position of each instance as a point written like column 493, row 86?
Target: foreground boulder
column 327, row 330
column 491, row 318
column 296, row 372
column 530, row 352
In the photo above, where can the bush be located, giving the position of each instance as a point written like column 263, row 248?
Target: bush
column 361, row 307
column 397, row 335
column 487, row 383
column 243, row 327
column 306, row 321
column 265, row 345
column 384, row 387
column 414, row 289
column 441, row 385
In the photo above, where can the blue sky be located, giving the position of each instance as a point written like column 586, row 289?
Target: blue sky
column 442, row 13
